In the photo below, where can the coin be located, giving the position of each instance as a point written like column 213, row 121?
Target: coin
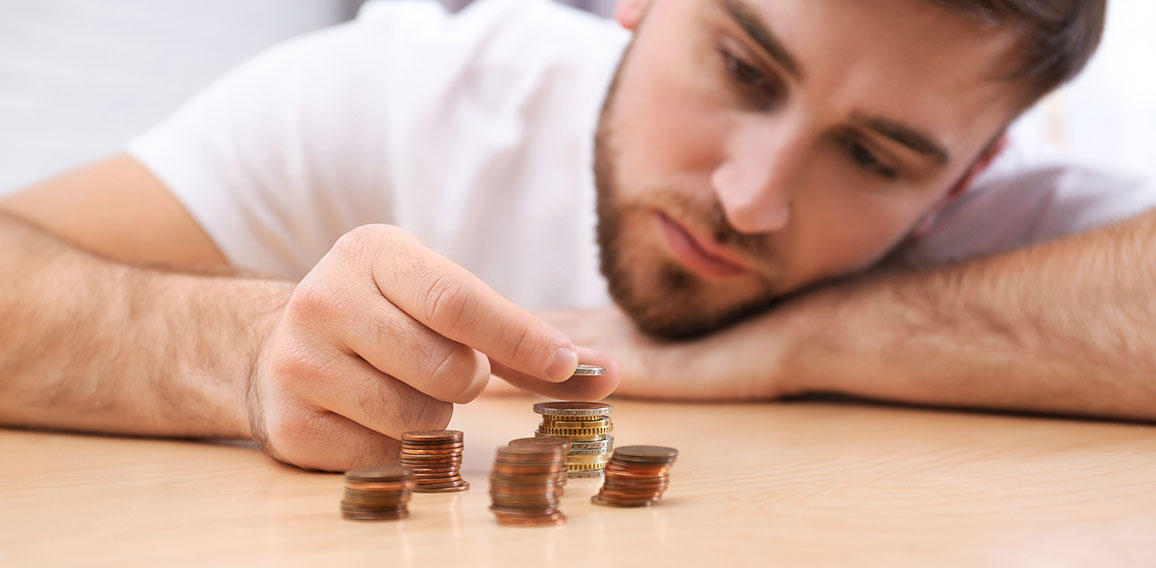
column 436, row 458
column 636, row 476
column 589, row 370
column 587, row 425
column 573, row 408
column 433, row 436
column 377, row 493
column 647, row 454
column 523, row 484
column 584, row 474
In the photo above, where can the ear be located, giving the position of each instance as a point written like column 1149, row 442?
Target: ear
column 629, row 13
column 980, row 165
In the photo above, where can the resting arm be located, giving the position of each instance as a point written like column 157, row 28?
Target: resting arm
column 1063, row 327
column 94, row 344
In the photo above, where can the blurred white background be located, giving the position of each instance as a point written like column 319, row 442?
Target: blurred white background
column 78, row 78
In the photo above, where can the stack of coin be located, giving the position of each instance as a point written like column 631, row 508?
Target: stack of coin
column 561, row 443
column 587, row 425
column 377, row 493
column 636, row 476
column 522, row 486
column 436, row 459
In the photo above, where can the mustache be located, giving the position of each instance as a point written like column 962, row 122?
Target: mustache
column 710, row 217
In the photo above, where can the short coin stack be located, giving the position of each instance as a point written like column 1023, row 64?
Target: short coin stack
column 522, row 486
column 587, row 425
column 436, row 459
column 377, row 493
column 636, row 476
column 561, row 443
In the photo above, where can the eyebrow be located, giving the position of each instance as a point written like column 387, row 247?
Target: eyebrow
column 907, row 136
column 750, row 21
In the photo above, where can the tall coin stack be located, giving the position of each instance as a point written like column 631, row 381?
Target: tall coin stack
column 377, row 493
column 563, row 446
column 522, row 486
column 636, row 476
column 587, row 425
column 436, row 459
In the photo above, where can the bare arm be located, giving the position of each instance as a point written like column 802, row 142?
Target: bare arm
column 92, row 340
column 119, row 330
column 95, row 345
column 1064, row 327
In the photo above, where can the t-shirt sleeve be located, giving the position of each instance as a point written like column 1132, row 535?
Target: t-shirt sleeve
column 282, row 155
column 1022, row 204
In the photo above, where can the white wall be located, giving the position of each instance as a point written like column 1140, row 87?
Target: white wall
column 80, row 77
column 1107, row 116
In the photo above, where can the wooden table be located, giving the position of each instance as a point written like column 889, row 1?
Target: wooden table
column 802, row 483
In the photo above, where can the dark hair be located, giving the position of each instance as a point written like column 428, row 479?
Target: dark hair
column 1058, row 37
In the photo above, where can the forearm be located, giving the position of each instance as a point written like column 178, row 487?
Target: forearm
column 89, row 344
column 1065, row 327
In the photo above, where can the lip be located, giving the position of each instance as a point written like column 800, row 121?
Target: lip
column 698, row 254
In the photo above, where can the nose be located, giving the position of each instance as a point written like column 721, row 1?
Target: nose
column 759, row 176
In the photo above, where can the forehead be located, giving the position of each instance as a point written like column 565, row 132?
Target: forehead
column 911, row 59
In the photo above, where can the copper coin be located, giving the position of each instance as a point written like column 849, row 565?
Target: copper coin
column 362, row 516
column 600, row 500
column 550, row 520
column 465, row 486
column 379, row 486
column 375, row 474
column 432, row 435
column 547, row 441
column 646, row 454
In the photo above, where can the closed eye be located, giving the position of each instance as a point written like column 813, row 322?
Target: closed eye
column 866, row 160
column 756, row 84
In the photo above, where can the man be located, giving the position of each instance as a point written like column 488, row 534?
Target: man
column 748, row 151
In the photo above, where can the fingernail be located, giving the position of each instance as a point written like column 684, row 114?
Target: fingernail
column 562, row 364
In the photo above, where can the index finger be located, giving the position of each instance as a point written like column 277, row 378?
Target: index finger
column 458, row 305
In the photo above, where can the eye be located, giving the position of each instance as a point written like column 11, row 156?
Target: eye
column 865, row 159
column 760, row 88
column 744, row 72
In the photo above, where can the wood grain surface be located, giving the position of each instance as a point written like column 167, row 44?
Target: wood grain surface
column 790, row 484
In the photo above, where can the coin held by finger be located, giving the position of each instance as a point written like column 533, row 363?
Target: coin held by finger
column 589, row 370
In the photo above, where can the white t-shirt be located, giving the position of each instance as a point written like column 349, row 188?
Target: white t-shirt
column 475, row 132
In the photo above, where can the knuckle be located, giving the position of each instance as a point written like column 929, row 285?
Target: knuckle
column 299, row 365
column 367, row 241
column 522, row 345
column 446, row 301
column 297, row 434
column 479, row 380
column 428, row 413
column 313, row 301
column 356, row 242
column 456, row 372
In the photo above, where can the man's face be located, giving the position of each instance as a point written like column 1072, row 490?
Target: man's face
column 750, row 148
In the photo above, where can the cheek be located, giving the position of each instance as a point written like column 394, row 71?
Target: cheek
column 840, row 229
column 663, row 128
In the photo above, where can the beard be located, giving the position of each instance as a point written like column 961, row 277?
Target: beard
column 664, row 299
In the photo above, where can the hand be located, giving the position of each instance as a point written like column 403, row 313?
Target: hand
column 748, row 361
column 381, row 338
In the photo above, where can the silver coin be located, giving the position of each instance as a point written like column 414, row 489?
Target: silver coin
column 587, row 370
column 586, row 474
column 572, row 408
column 601, row 452
column 605, row 444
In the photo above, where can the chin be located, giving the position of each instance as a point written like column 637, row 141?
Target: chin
column 666, row 301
